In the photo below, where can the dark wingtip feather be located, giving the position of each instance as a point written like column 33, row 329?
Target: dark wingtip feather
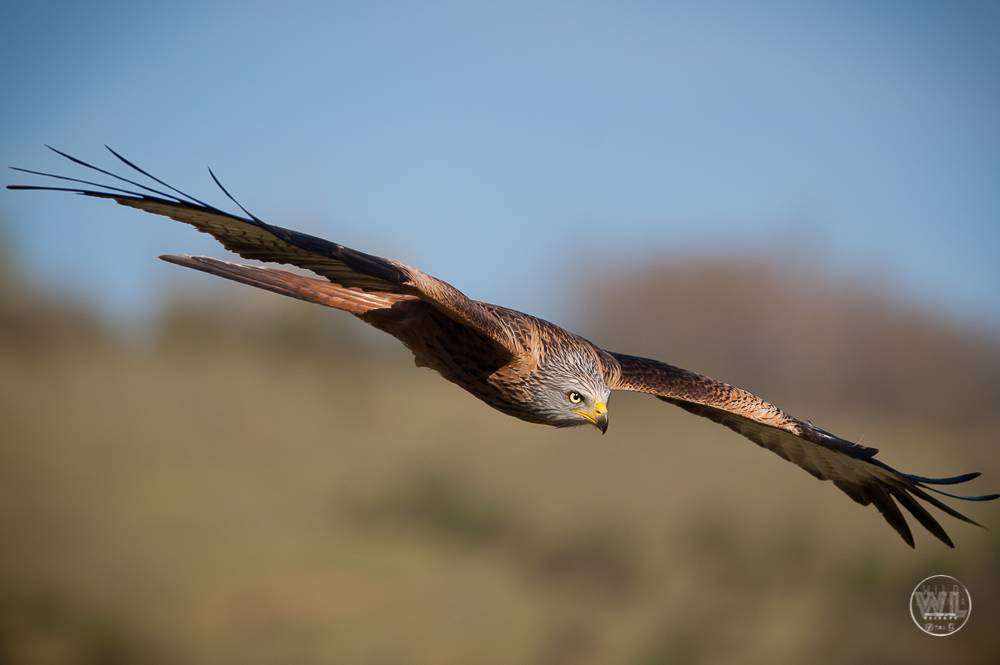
column 154, row 178
column 72, row 190
column 921, row 481
column 983, row 497
column 921, row 514
column 113, row 175
column 918, row 492
column 68, row 179
column 39, row 187
column 890, row 511
column 231, row 198
column 954, row 480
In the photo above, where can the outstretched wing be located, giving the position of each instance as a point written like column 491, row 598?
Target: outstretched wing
column 852, row 467
column 252, row 238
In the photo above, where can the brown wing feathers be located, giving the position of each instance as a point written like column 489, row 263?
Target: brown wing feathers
column 254, row 239
column 354, row 300
column 851, row 467
column 725, row 404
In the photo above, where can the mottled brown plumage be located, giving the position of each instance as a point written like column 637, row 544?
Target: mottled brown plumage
column 520, row 365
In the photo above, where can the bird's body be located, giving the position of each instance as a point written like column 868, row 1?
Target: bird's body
column 519, row 364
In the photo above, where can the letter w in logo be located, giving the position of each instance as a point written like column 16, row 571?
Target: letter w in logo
column 931, row 603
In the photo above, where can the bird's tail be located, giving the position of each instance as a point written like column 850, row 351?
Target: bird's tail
column 320, row 291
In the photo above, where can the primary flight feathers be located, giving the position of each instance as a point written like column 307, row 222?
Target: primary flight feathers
column 521, row 365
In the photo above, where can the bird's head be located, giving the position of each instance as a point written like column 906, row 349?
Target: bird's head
column 570, row 391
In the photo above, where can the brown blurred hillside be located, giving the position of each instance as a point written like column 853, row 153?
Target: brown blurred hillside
column 257, row 480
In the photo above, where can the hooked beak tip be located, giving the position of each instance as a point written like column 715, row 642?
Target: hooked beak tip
column 599, row 418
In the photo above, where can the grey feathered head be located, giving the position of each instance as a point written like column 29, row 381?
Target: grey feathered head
column 569, row 390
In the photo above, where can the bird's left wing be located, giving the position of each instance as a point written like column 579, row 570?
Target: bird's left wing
column 252, row 238
column 851, row 466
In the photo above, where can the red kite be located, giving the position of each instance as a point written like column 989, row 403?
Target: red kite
column 521, row 365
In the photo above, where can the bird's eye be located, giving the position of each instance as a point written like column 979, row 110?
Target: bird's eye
column 575, row 397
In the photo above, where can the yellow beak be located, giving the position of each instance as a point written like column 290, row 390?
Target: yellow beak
column 599, row 418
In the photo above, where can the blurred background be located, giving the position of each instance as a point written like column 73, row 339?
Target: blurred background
column 798, row 200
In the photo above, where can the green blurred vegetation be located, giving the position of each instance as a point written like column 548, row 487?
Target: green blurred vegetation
column 257, row 480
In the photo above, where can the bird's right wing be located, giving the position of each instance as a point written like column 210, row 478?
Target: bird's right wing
column 252, row 238
column 851, row 466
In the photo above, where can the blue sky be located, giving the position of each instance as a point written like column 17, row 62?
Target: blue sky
column 520, row 150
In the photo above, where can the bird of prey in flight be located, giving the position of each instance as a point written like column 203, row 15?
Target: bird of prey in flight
column 521, row 365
